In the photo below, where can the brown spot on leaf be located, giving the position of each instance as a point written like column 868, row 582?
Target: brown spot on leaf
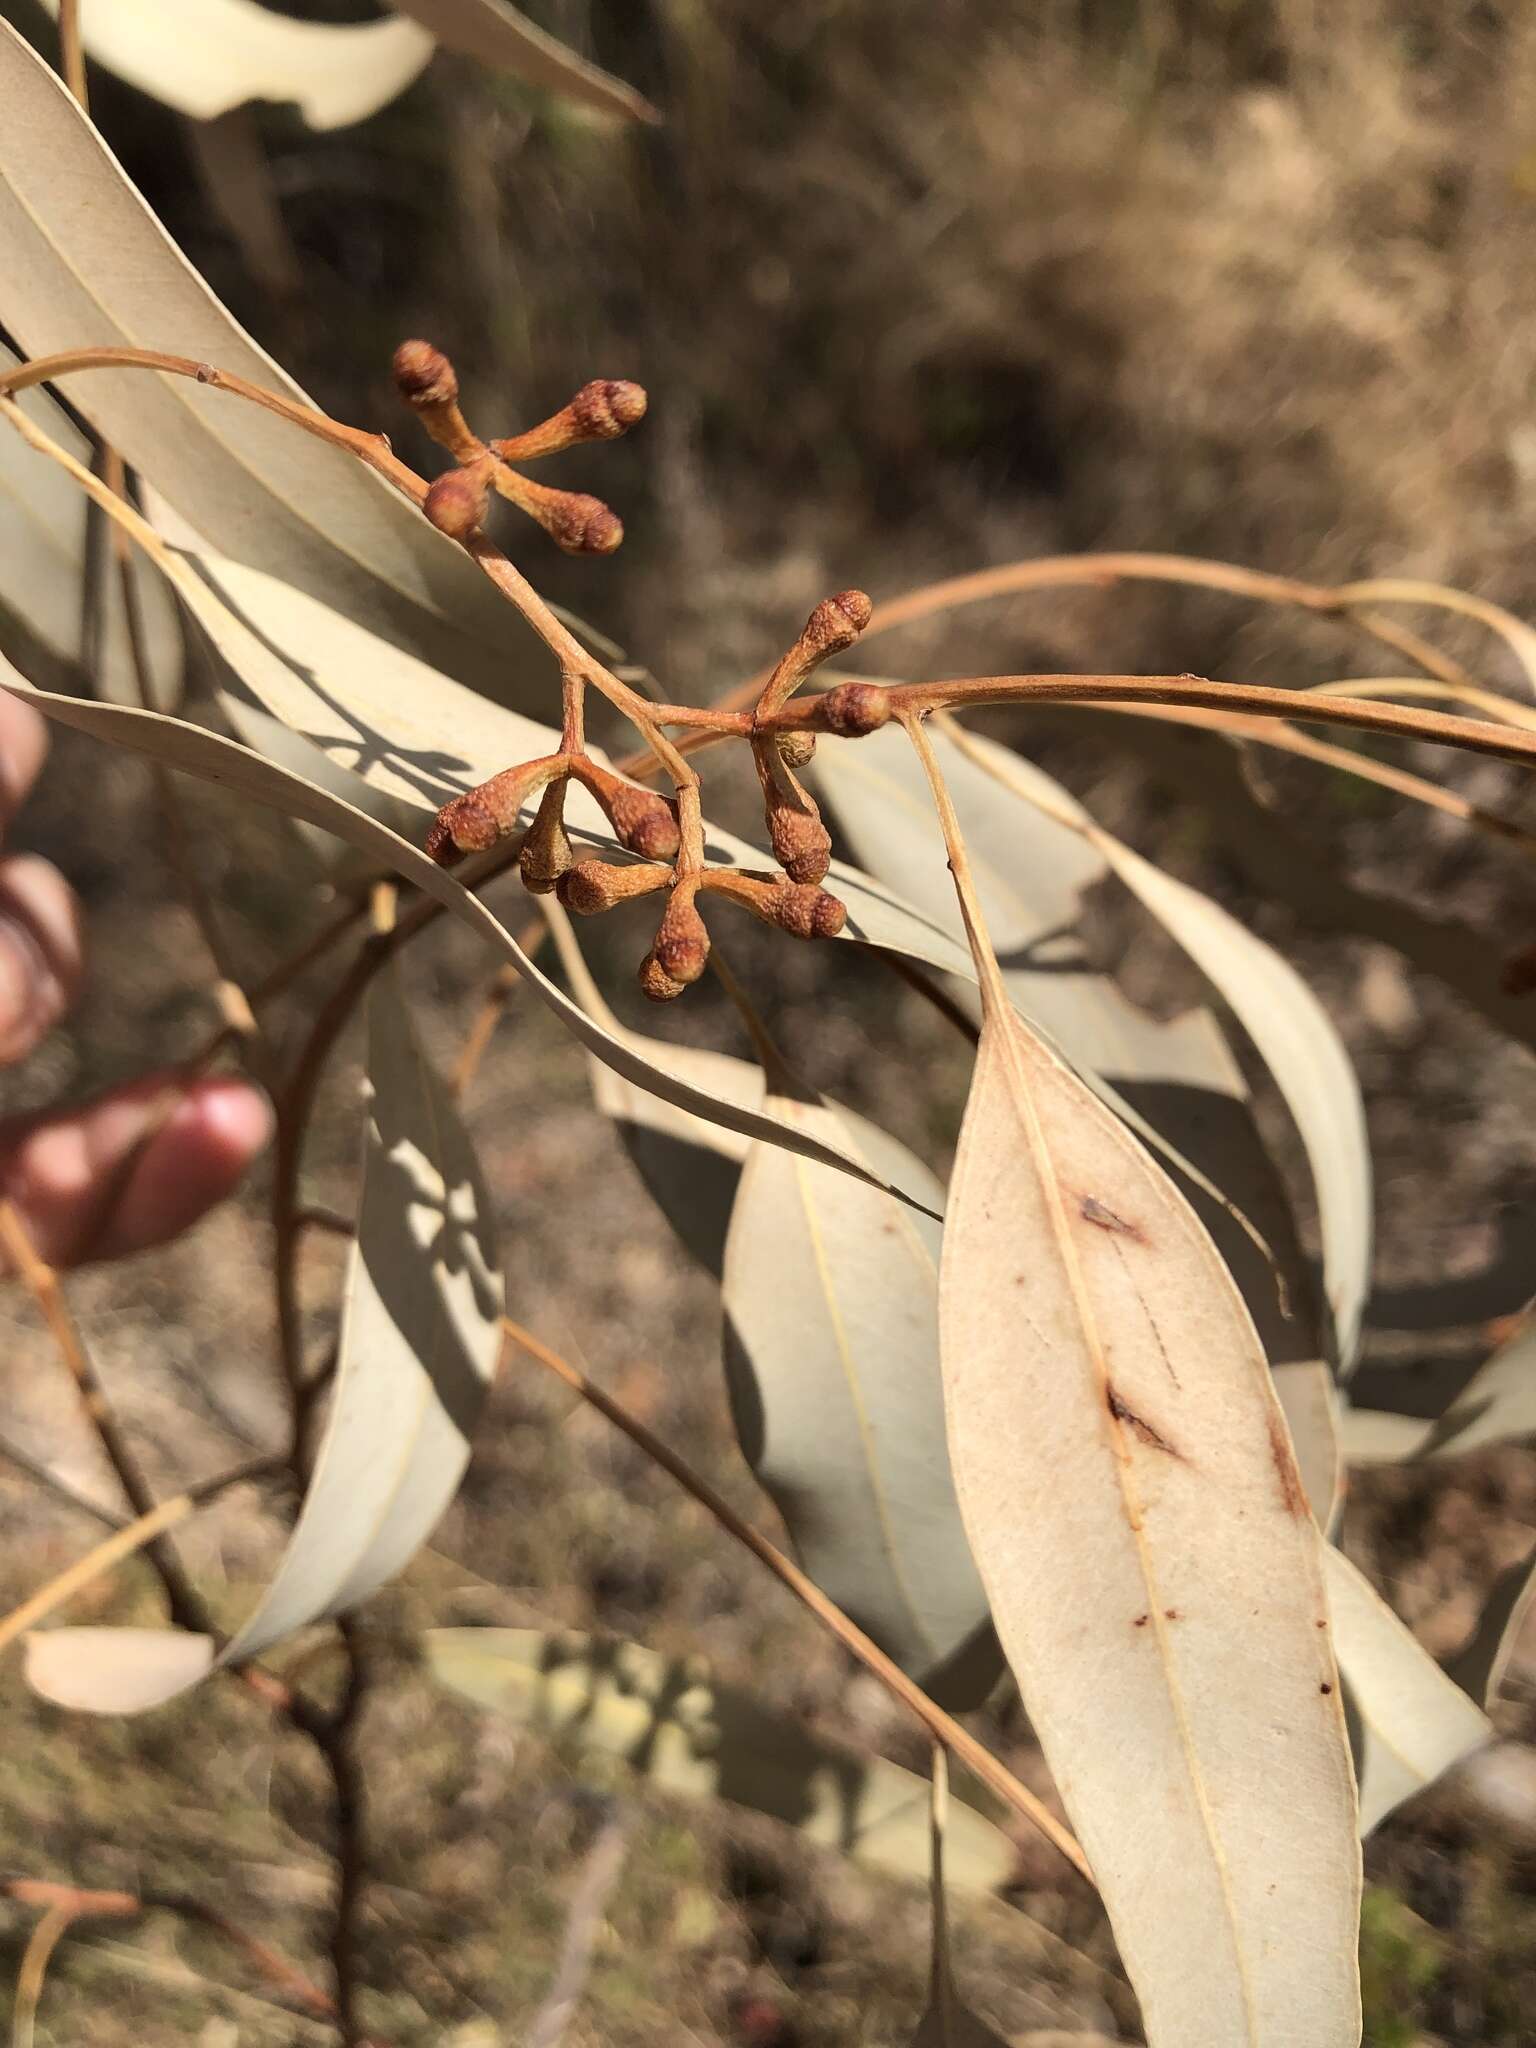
column 1172, row 1614
column 1141, row 1621
column 1285, row 1471
column 1325, row 1687
column 1095, row 1211
column 1137, row 1424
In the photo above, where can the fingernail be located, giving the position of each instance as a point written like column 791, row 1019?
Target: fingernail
column 31, row 999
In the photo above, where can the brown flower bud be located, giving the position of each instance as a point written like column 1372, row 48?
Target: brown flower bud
column 643, row 821
column 646, row 824
column 802, row 845
column 607, row 407
column 424, row 375
column 656, row 983
column 546, row 850
column 582, row 525
column 456, row 503
column 836, row 623
column 799, row 908
column 852, row 710
column 592, row 886
column 600, row 411
column 484, row 815
column 463, row 826
column 808, row 913
column 795, row 749
column 681, row 949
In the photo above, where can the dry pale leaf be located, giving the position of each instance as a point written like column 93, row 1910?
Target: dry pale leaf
column 830, row 1300
column 420, row 1337
column 503, row 36
column 1408, row 1719
column 236, row 51
column 1155, row 1574
column 43, row 570
column 84, row 263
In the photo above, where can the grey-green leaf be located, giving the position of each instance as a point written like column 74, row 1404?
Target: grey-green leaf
column 205, row 754
column 420, row 1337
column 84, row 263
column 830, row 1298
column 43, row 527
column 1409, row 1722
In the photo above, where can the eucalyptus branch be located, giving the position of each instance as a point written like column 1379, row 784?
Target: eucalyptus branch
column 1364, row 768
column 374, row 450
column 916, row 700
column 1103, row 571
column 977, row 1758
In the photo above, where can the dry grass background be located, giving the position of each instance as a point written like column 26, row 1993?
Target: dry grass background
column 913, row 291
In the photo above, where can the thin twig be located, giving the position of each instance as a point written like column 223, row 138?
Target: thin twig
column 41, row 1943
column 43, row 1284
column 72, row 52
column 483, row 1028
column 43, row 1476
column 599, row 1874
column 1396, row 721
column 943, row 1727
column 111, row 1551
column 124, row 1541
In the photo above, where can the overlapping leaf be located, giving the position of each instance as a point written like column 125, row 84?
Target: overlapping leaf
column 1036, row 849
column 417, row 738
column 84, row 263
column 188, row 747
column 420, row 1336
column 1409, row 1722
column 43, row 526
column 687, row 1735
column 503, row 36
column 238, row 51
column 831, row 1345
column 1155, row 1575
column 830, row 1295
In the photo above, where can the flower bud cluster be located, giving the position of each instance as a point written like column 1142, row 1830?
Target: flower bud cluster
column 458, row 501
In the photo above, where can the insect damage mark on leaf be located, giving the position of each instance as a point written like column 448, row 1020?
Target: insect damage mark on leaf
column 1093, row 1210
column 1291, row 1490
column 1138, row 1425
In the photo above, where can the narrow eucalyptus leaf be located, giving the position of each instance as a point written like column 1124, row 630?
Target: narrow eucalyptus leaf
column 240, row 51
column 1408, row 1720
column 830, row 1298
column 44, row 521
column 420, row 1337
column 84, row 263
column 214, row 759
column 503, row 36
column 1155, row 1575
